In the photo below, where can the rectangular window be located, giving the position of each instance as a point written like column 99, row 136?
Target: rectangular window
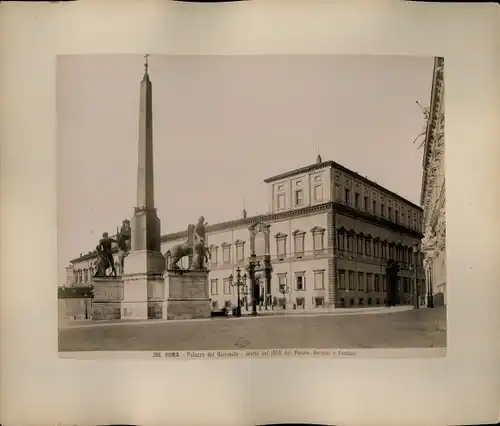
column 319, row 302
column 340, row 240
column 384, row 280
column 406, row 285
column 389, row 210
column 382, row 210
column 391, row 252
column 377, row 282
column 318, row 192
column 368, row 247
column 347, row 196
column 341, row 280
column 227, row 286
column 337, row 192
column 226, row 254
column 281, row 247
column 319, row 280
column 281, row 201
column 215, row 304
column 213, row 254
column 349, row 242
column 299, row 244
column 240, row 255
column 369, row 282
column 213, row 286
column 360, row 245
column 366, row 203
column 318, row 241
column 299, row 197
column 376, row 249
column 301, row 303
column 396, row 216
column 374, row 207
column 361, row 281
column 398, row 282
column 356, row 200
column 281, row 283
column 300, row 282
column 352, row 284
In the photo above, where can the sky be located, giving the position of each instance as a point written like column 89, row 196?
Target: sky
column 222, row 124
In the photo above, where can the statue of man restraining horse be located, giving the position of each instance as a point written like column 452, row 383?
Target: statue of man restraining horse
column 194, row 248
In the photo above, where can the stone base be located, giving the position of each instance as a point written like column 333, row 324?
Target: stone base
column 188, row 295
column 108, row 295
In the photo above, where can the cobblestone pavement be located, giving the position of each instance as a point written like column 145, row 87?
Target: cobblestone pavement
column 419, row 328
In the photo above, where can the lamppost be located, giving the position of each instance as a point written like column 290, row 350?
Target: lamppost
column 252, row 263
column 415, row 267
column 240, row 281
column 284, row 290
column 430, row 295
column 244, row 293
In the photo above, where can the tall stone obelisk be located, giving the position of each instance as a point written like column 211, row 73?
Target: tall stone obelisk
column 144, row 265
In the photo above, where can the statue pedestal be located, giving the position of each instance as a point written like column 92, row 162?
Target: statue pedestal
column 108, row 296
column 188, row 295
column 143, row 285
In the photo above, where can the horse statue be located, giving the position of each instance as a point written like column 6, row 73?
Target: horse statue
column 196, row 251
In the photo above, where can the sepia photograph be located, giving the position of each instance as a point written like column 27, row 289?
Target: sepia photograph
column 250, row 205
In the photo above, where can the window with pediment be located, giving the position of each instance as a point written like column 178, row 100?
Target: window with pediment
column 368, row 246
column 227, row 285
column 214, row 254
column 226, row 253
column 319, row 279
column 341, row 236
column 350, row 241
column 359, row 245
column 298, row 242
column 214, row 287
column 318, row 239
column 240, row 250
column 281, row 244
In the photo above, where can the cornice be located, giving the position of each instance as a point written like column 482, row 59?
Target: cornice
column 435, row 103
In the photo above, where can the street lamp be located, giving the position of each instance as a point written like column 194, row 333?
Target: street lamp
column 284, row 290
column 415, row 248
column 252, row 263
column 244, row 293
column 430, row 295
column 240, row 281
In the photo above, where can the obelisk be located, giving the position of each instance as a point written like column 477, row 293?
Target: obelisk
column 144, row 265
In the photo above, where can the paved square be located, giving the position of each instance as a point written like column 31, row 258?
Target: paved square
column 422, row 328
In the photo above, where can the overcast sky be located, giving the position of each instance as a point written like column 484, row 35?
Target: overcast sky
column 222, row 124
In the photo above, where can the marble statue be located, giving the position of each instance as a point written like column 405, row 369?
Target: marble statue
column 194, row 248
column 177, row 252
column 105, row 256
column 123, row 242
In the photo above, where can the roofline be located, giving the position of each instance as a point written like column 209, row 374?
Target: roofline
column 270, row 217
column 438, row 61
column 340, row 167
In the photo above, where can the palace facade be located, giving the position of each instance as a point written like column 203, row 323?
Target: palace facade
column 433, row 197
column 329, row 234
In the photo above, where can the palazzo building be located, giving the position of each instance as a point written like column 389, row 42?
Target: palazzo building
column 433, row 197
column 329, row 234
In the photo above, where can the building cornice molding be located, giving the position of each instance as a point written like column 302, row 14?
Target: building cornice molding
column 435, row 104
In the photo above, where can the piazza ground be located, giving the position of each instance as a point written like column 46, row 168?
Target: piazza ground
column 421, row 328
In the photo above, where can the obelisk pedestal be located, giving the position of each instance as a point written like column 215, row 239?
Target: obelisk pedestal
column 188, row 296
column 108, row 297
